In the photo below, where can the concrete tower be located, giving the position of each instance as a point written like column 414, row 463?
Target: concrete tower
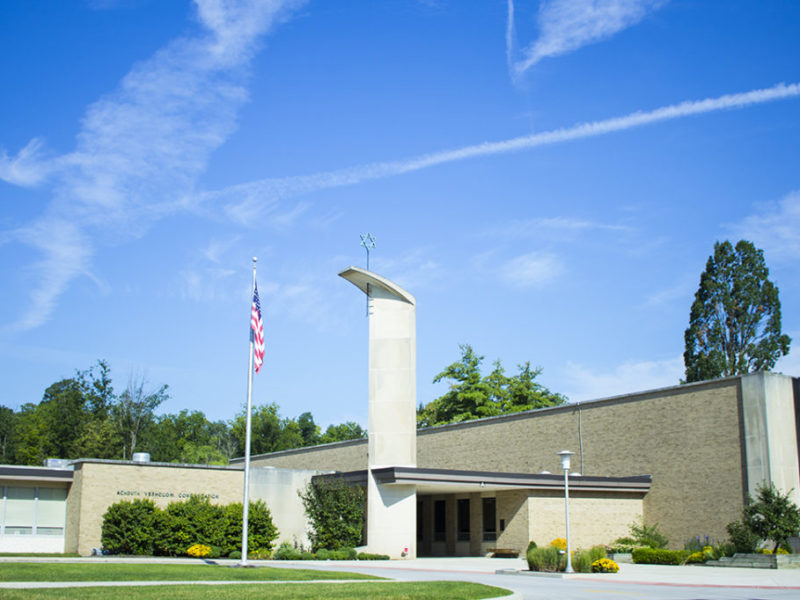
column 391, row 509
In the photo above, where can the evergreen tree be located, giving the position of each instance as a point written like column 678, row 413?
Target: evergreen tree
column 735, row 321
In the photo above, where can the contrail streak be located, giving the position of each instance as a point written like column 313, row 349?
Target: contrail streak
column 246, row 198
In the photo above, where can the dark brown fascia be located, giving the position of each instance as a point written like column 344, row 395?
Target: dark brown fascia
column 408, row 475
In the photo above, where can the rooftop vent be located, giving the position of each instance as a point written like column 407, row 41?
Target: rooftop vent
column 141, row 457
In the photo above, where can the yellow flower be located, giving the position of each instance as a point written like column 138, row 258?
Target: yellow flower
column 198, row 551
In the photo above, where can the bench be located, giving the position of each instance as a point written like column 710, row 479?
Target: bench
column 503, row 552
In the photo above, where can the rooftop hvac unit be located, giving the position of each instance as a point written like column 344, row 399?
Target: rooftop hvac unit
column 141, row 457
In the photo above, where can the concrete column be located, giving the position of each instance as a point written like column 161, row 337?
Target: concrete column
column 475, row 524
column 391, row 519
column 451, row 524
column 770, row 435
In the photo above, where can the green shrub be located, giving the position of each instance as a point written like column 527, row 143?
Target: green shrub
column 215, row 552
column 581, row 561
column 286, row 552
column 128, row 527
column 547, row 559
column 659, row 556
column 236, row 554
column 342, row 554
column 336, row 511
column 261, row 531
column 697, row 543
column 372, row 556
column 695, row 558
column 648, row 535
column 260, row 554
column 531, row 545
column 772, row 515
column 742, row 537
column 725, row 549
column 626, row 541
column 323, row 554
column 618, row 548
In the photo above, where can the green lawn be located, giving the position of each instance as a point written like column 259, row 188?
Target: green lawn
column 159, row 572
column 42, row 554
column 432, row 590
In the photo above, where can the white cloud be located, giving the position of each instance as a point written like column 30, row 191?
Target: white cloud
column 28, row 168
column 684, row 291
column 566, row 25
column 531, row 270
column 776, row 229
column 217, row 248
column 260, row 196
column 141, row 148
column 413, row 270
column 553, row 227
column 66, row 255
column 582, row 383
column 207, row 284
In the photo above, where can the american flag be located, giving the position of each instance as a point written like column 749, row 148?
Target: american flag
column 257, row 330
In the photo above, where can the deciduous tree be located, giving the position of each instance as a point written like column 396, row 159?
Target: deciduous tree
column 473, row 396
column 134, row 409
column 772, row 516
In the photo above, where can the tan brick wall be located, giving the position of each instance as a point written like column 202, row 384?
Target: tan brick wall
column 344, row 456
column 687, row 438
column 594, row 518
column 73, row 516
column 511, row 508
column 100, row 485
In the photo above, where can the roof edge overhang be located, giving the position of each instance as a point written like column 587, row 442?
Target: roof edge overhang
column 33, row 474
column 496, row 480
column 361, row 278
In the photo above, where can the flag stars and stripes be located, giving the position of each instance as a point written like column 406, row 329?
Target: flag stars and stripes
column 257, row 331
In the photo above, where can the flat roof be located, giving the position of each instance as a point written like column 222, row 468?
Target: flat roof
column 78, row 463
column 449, row 480
column 28, row 473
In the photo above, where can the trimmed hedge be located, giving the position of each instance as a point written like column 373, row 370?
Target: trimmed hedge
column 659, row 556
column 140, row 527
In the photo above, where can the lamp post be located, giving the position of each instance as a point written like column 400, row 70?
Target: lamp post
column 565, row 456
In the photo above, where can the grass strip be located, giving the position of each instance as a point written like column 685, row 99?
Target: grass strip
column 40, row 554
column 158, row 572
column 403, row 590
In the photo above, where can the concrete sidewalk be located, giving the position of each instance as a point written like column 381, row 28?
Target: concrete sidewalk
column 690, row 575
column 694, row 575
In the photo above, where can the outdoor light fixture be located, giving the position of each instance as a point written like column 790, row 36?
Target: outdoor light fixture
column 565, row 456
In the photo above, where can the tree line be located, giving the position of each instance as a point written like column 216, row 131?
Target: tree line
column 734, row 328
column 83, row 417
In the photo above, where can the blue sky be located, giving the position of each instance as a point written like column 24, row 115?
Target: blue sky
column 546, row 178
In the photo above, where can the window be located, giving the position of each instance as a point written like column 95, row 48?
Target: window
column 439, row 521
column 20, row 510
column 420, row 521
column 462, row 511
column 50, row 511
column 489, row 506
column 33, row 511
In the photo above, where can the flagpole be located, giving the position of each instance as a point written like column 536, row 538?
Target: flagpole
column 246, row 499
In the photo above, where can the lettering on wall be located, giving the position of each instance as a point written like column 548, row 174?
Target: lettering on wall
column 165, row 494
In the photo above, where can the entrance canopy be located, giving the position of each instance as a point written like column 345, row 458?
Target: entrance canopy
column 445, row 481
